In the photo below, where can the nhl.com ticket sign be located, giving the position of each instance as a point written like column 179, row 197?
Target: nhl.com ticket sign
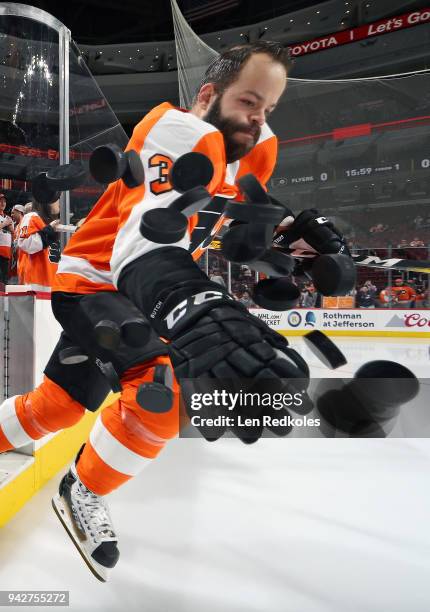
column 354, row 320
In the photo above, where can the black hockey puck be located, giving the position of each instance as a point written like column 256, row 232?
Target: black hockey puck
column 191, row 170
column 108, row 334
column 274, row 263
column 66, row 177
column 41, row 190
column 192, row 201
column 163, row 225
column 72, row 356
column 134, row 174
column 325, row 349
column 108, row 370
column 342, row 414
column 237, row 246
column 260, row 235
column 255, row 212
column 334, row 274
column 107, row 163
column 135, row 332
column 385, row 384
column 154, row 397
column 252, row 189
column 276, row 294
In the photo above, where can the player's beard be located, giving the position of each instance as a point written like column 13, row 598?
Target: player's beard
column 234, row 150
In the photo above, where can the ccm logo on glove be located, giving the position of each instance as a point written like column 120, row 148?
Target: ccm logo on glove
column 194, row 300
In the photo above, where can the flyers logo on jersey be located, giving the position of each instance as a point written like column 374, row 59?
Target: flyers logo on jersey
column 161, row 184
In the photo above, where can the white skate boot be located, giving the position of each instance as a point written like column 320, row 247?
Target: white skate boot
column 86, row 518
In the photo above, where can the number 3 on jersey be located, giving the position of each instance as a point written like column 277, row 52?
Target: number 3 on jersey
column 163, row 163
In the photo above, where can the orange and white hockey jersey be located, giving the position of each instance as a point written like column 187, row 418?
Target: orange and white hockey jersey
column 5, row 239
column 36, row 265
column 110, row 237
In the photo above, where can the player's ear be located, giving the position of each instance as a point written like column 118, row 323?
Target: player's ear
column 205, row 95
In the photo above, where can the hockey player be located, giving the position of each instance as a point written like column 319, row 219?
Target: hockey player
column 108, row 266
column 17, row 215
column 38, row 246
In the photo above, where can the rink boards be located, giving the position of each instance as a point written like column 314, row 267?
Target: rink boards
column 29, row 332
column 350, row 322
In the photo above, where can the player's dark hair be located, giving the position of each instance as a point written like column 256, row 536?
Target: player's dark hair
column 43, row 210
column 225, row 69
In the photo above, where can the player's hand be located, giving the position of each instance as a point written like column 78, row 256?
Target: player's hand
column 214, row 338
column 48, row 233
column 310, row 233
column 7, row 223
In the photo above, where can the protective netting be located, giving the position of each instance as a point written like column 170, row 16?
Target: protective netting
column 356, row 149
column 193, row 57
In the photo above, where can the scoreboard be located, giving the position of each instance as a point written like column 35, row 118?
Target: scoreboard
column 315, row 174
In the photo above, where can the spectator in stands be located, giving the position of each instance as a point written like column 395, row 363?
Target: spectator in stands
column 372, row 289
column 308, row 296
column 246, row 300
column 378, row 228
column 421, row 293
column 39, row 248
column 400, row 295
column 17, row 215
column 28, row 207
column 416, row 242
column 6, row 229
column 216, row 277
column 246, row 272
column 417, row 222
column 364, row 297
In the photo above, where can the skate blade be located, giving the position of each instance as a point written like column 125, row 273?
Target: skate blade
column 100, row 572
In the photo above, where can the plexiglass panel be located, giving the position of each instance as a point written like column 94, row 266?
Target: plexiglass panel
column 51, row 107
column 29, row 106
column 91, row 123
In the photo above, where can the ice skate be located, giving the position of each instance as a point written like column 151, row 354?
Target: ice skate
column 86, row 518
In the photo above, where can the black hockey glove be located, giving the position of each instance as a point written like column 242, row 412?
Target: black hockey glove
column 212, row 335
column 310, row 233
column 226, row 350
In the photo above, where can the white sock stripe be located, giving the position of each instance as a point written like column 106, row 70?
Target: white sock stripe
column 114, row 453
column 10, row 425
